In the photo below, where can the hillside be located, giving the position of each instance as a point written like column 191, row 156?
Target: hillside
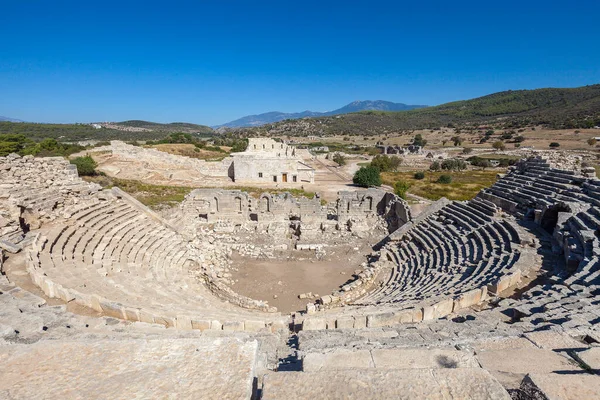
column 355, row 106
column 74, row 132
column 553, row 108
column 171, row 127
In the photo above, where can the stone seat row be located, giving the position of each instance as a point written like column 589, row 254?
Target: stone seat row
column 434, row 261
column 112, row 257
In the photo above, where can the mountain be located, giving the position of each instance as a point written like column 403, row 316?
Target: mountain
column 556, row 108
column 355, row 106
column 6, row 119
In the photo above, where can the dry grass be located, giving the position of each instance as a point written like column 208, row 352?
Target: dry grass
column 189, row 150
column 159, row 197
column 465, row 185
column 156, row 197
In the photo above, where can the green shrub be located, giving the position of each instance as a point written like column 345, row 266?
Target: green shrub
column 445, row 179
column 339, row 159
column 554, row 144
column 367, row 176
column 400, row 188
column 86, row 166
column 420, row 175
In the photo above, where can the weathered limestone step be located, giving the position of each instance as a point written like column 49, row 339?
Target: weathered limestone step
column 561, row 386
column 413, row 384
column 403, row 358
column 203, row 368
column 510, row 367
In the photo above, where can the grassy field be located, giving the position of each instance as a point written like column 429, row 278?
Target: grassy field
column 465, row 185
column 156, row 197
column 189, row 150
column 159, row 197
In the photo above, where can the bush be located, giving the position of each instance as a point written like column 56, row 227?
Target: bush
column 400, row 188
column 420, row 175
column 384, row 163
column 454, row 164
column 339, row 159
column 445, row 179
column 435, row 166
column 554, row 144
column 499, row 145
column 591, row 141
column 467, row 150
column 367, row 176
column 86, row 166
column 419, row 141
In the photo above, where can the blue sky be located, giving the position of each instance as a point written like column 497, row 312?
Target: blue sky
column 211, row 62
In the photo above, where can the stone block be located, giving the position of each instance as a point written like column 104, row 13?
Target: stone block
column 200, row 324
column 339, row 359
column 95, row 300
column 200, row 368
column 443, row 308
column 345, row 322
column 408, row 358
column 314, row 323
column 590, row 358
column 131, row 314
column 216, row 325
column 233, row 325
column 382, row 319
column 183, row 322
column 360, row 321
column 561, row 387
column 254, row 326
column 146, row 317
column 553, row 340
column 166, row 321
column 467, row 299
column 413, row 384
column 112, row 309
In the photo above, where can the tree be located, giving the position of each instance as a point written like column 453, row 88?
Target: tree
column 445, row 179
column 419, row 141
column 381, row 162
column 400, row 188
column 339, row 159
column 367, row 176
column 592, row 141
column 499, row 145
column 435, row 166
column 454, row 164
column 395, row 162
column 457, row 140
column 554, row 144
column 419, row 175
column 519, row 139
column 86, row 166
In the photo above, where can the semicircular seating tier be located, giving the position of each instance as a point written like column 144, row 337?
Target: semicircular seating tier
column 106, row 251
column 461, row 253
column 113, row 257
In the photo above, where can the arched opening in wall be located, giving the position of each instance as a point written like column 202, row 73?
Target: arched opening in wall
column 266, row 206
column 238, row 204
column 369, row 201
column 348, row 206
column 550, row 217
column 216, row 204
